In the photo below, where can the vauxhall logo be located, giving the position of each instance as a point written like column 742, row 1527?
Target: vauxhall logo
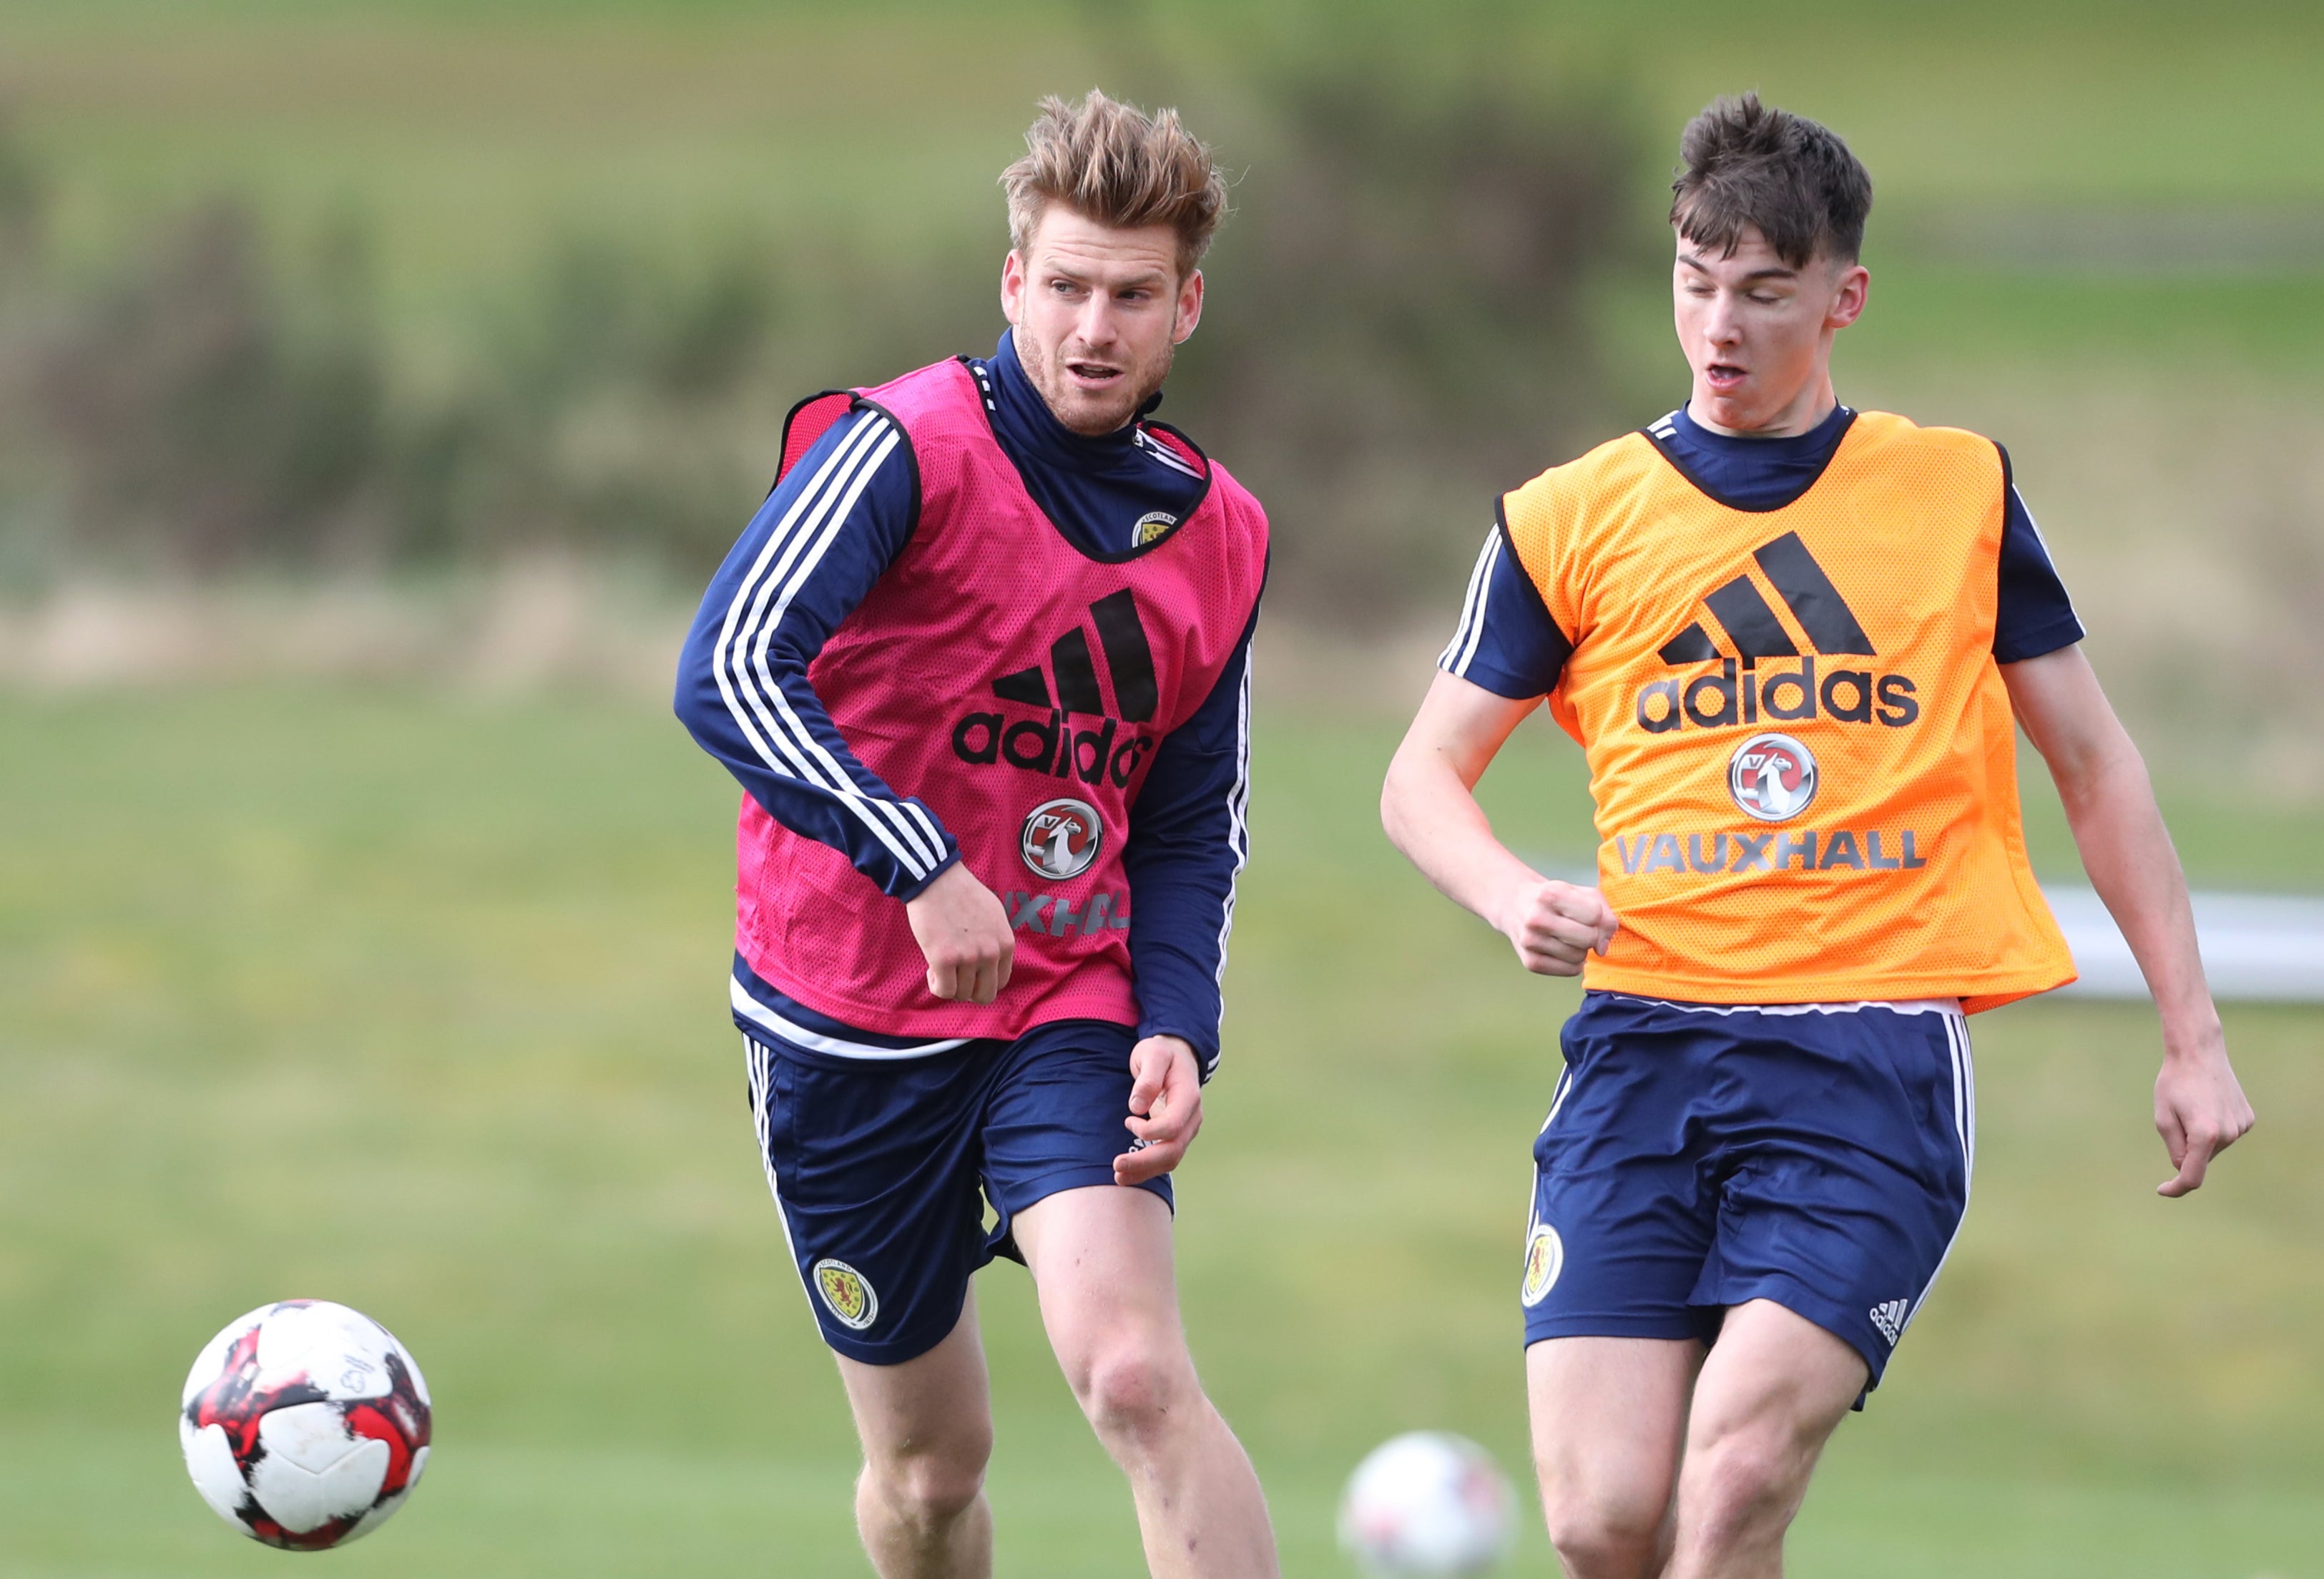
column 1050, row 744
column 1850, row 695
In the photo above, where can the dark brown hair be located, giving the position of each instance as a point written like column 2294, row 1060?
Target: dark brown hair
column 1108, row 162
column 1746, row 163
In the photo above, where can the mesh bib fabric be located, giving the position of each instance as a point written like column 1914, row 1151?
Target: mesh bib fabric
column 1019, row 687
column 1800, row 746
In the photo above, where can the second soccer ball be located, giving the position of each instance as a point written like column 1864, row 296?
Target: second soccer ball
column 1427, row 1505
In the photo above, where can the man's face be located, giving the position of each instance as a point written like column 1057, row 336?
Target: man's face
column 1098, row 313
column 1757, row 332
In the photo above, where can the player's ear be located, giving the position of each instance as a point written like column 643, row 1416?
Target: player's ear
column 1854, row 289
column 1012, row 285
column 1190, row 307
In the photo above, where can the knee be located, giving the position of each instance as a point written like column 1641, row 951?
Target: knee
column 1605, row 1532
column 1742, row 1483
column 1135, row 1390
column 929, row 1489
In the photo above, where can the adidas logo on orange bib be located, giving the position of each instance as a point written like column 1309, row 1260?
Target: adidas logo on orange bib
column 1049, row 746
column 1742, row 694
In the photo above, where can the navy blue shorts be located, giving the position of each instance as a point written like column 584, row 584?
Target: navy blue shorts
column 1697, row 1158
column 883, row 1170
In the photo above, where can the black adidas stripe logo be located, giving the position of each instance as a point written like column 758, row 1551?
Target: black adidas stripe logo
column 1739, row 692
column 1108, row 751
column 1129, row 657
column 1824, row 617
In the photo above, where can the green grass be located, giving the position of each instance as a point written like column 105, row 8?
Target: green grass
column 416, row 1004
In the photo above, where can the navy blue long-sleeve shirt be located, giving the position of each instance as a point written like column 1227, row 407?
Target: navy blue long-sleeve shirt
column 1506, row 643
column 824, row 536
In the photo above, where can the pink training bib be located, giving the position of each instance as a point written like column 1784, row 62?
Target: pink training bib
column 1019, row 687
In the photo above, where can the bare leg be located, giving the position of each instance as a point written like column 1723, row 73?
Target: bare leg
column 1608, row 1415
column 1101, row 1260
column 926, row 1430
column 1771, row 1393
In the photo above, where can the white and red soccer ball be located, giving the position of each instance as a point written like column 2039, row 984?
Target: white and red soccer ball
column 305, row 1425
column 1427, row 1505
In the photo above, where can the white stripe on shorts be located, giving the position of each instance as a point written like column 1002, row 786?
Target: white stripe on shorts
column 758, row 1065
column 1965, row 1132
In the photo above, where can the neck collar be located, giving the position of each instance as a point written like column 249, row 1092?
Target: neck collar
column 1705, row 459
column 1824, row 436
column 1020, row 412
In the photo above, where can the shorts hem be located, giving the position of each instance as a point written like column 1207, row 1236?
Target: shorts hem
column 1002, row 1240
column 894, row 1350
column 1025, row 1193
column 1673, row 1324
column 1832, row 1316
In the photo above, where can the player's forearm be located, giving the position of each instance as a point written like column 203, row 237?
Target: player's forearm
column 767, row 728
column 1180, row 917
column 1187, row 846
column 743, row 688
column 1179, row 923
column 2131, row 861
column 1431, row 815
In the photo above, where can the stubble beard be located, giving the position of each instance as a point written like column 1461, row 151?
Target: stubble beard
column 1048, row 375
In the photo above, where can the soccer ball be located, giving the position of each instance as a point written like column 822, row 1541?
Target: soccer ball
column 1424, row 1505
column 305, row 1425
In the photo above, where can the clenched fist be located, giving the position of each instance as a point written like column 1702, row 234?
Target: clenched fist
column 964, row 934
column 1554, row 925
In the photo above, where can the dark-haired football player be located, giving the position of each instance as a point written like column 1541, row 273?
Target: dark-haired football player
column 1794, row 640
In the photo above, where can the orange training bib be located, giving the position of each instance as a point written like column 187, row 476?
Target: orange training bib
column 1801, row 749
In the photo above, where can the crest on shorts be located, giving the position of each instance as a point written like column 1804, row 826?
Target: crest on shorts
column 845, row 1294
column 1544, row 1259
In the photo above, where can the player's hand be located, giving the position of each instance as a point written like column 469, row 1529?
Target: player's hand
column 964, row 934
column 2200, row 1111
column 1165, row 1108
column 1553, row 926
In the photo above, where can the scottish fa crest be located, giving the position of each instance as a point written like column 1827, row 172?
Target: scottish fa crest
column 1544, row 1259
column 845, row 1293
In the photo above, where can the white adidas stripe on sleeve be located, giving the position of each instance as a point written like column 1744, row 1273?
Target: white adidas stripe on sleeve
column 908, row 820
column 1238, row 825
column 758, row 708
column 1459, row 651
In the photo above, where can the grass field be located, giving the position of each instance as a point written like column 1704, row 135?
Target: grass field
column 415, row 1003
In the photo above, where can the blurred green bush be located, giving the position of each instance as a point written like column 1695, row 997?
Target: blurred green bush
column 195, row 414
column 1405, row 328
column 203, row 408
column 1404, row 331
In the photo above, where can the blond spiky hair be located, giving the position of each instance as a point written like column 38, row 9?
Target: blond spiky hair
column 1109, row 162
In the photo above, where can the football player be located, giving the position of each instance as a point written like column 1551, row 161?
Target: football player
column 1794, row 642
column 982, row 664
